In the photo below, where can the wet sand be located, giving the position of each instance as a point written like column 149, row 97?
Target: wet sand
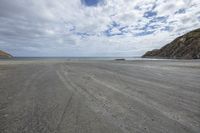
column 160, row 96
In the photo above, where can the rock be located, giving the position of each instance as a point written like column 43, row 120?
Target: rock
column 121, row 59
column 5, row 55
column 183, row 47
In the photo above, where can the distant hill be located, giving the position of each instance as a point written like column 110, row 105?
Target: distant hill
column 183, row 47
column 5, row 55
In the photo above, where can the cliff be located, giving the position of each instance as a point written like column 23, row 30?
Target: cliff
column 4, row 55
column 183, row 47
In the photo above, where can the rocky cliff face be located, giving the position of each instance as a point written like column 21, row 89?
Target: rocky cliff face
column 184, row 47
column 4, row 55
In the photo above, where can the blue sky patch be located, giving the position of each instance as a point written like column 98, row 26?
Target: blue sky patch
column 83, row 34
column 144, row 33
column 152, row 26
column 180, row 11
column 150, row 14
column 167, row 28
column 198, row 18
column 91, row 2
column 113, row 25
column 109, row 33
column 161, row 19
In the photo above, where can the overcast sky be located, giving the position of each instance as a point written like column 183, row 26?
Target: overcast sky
column 93, row 27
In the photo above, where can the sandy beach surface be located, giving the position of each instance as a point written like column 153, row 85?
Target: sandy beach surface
column 144, row 96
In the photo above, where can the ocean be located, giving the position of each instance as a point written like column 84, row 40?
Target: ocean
column 76, row 58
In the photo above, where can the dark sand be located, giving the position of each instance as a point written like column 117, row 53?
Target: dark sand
column 100, row 96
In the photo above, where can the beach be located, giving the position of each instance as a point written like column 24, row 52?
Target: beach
column 88, row 96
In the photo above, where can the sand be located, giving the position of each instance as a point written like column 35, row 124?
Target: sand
column 49, row 96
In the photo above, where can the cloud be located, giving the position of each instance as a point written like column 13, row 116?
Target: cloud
column 93, row 27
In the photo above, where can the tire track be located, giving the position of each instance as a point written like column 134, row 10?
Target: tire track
column 95, row 103
column 18, row 119
column 135, row 96
column 63, row 114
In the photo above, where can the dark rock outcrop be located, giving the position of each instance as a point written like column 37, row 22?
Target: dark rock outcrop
column 183, row 47
column 5, row 55
column 120, row 59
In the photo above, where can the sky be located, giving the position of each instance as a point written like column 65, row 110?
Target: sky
column 100, row 28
